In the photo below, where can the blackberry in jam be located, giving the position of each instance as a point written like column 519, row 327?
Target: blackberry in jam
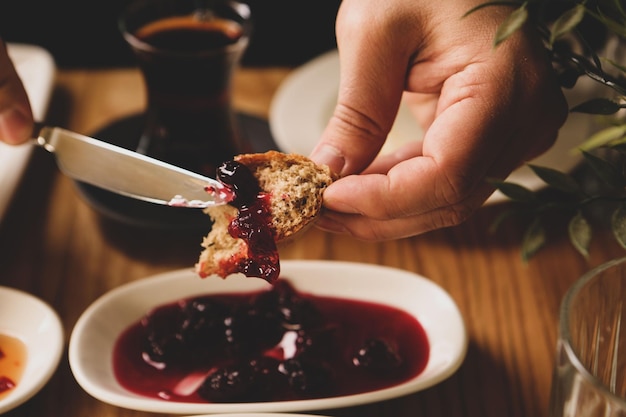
column 234, row 383
column 202, row 329
column 251, row 381
column 162, row 343
column 249, row 330
column 307, row 379
column 296, row 311
column 378, row 357
column 320, row 342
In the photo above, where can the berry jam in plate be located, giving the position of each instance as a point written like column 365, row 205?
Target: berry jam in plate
column 94, row 340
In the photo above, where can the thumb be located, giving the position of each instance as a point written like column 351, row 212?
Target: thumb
column 16, row 117
column 372, row 79
column 367, row 103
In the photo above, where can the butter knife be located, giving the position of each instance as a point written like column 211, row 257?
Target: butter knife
column 129, row 173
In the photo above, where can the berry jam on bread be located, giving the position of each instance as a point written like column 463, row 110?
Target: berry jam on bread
column 276, row 196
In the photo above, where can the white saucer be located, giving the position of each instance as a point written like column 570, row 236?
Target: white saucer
column 33, row 322
column 37, row 69
column 94, row 336
column 305, row 101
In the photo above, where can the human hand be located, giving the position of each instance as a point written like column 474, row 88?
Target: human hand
column 16, row 117
column 484, row 112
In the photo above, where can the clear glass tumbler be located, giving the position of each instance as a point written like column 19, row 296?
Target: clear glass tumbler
column 187, row 51
column 590, row 370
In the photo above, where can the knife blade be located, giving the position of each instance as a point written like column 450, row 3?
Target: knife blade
column 129, row 173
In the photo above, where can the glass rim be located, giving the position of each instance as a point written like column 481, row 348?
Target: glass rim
column 242, row 8
column 137, row 43
column 566, row 337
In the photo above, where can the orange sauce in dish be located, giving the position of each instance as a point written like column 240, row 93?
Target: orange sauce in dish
column 12, row 363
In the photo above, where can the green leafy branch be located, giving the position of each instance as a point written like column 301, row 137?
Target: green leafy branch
column 574, row 54
column 569, row 199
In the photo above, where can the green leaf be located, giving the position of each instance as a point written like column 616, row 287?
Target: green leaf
column 514, row 191
column 597, row 106
column 579, row 232
column 511, row 24
column 618, row 224
column 557, row 179
column 605, row 170
column 603, row 137
column 533, row 240
column 566, row 22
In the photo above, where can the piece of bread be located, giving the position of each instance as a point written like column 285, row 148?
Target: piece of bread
column 294, row 184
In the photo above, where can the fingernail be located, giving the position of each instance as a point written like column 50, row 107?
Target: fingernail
column 329, row 155
column 15, row 127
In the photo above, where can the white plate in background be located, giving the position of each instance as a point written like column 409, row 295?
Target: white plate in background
column 93, row 339
column 37, row 70
column 305, row 100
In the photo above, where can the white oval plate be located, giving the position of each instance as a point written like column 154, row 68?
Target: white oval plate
column 305, row 100
column 36, row 324
column 93, row 338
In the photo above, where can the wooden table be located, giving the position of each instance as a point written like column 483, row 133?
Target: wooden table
column 53, row 244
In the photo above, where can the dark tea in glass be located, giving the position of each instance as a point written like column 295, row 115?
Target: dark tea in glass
column 187, row 51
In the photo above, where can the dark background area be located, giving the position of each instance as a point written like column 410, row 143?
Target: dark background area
column 84, row 33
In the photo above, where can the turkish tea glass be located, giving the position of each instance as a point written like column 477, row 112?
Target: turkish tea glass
column 187, row 51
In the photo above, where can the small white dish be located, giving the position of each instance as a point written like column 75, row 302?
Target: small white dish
column 94, row 336
column 305, row 100
column 32, row 321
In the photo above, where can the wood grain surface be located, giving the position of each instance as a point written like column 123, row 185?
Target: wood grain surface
column 56, row 246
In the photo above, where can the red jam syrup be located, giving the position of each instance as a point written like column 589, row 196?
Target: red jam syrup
column 274, row 345
column 253, row 224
